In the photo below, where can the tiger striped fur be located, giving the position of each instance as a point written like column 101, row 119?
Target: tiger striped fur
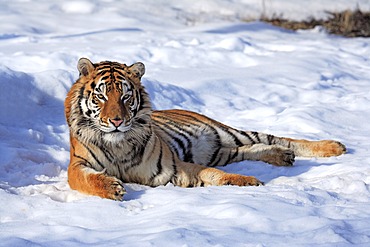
column 117, row 138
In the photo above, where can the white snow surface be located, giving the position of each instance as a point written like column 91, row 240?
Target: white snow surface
column 200, row 56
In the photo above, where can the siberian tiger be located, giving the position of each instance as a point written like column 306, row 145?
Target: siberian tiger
column 117, row 138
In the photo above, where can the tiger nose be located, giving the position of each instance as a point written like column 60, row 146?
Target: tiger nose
column 116, row 122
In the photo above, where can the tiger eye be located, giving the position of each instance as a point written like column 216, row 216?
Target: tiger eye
column 100, row 96
column 126, row 97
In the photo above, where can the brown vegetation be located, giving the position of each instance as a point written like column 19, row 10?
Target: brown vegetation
column 347, row 23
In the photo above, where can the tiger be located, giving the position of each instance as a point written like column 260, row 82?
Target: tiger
column 116, row 138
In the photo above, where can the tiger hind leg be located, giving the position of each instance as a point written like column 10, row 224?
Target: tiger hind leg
column 272, row 154
column 302, row 148
column 194, row 175
column 279, row 151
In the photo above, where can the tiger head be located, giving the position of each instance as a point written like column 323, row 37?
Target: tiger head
column 107, row 102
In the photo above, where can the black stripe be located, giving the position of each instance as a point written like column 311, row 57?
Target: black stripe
column 85, row 160
column 135, row 156
column 121, row 78
column 112, row 70
column 173, row 126
column 185, row 146
column 120, row 73
column 183, row 124
column 255, row 134
column 104, row 66
column 222, row 127
column 159, row 164
column 101, row 72
column 173, row 162
column 137, row 97
column 231, row 157
column 120, row 171
column 200, row 123
column 147, row 140
column 188, row 156
column 170, row 144
column 212, row 161
column 141, row 121
column 173, row 167
column 235, row 138
column 180, row 144
column 80, row 97
column 141, row 97
column 104, row 78
column 270, row 138
column 93, row 155
column 84, row 122
column 228, row 159
column 88, row 113
column 105, row 151
column 243, row 133
column 216, row 162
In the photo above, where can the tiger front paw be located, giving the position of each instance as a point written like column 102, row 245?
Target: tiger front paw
column 110, row 187
column 240, row 180
column 115, row 189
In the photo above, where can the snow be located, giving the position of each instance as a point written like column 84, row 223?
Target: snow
column 200, row 56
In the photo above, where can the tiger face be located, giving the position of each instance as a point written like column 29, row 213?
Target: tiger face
column 111, row 104
column 110, row 99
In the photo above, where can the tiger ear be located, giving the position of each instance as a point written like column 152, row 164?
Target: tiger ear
column 137, row 70
column 85, row 66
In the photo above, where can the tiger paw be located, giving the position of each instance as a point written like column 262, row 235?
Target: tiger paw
column 111, row 188
column 329, row 148
column 116, row 190
column 240, row 180
column 279, row 156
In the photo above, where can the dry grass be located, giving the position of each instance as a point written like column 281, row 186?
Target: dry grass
column 347, row 23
